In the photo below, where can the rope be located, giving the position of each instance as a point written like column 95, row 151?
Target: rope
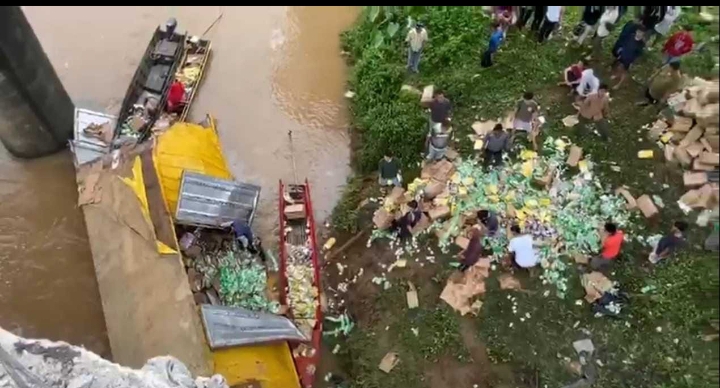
column 292, row 157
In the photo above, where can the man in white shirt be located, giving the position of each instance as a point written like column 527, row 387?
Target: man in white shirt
column 416, row 39
column 663, row 27
column 521, row 248
column 552, row 18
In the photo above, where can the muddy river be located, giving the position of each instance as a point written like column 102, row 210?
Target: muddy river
column 273, row 70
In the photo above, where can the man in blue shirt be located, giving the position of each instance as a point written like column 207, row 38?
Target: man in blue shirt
column 244, row 235
column 630, row 49
column 496, row 39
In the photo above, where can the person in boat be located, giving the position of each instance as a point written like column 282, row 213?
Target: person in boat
column 176, row 95
column 170, row 27
column 244, row 235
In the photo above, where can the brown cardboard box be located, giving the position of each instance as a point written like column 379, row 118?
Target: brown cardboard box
column 395, row 196
column 433, row 189
column 714, row 141
column 694, row 135
column 692, row 108
column 412, row 297
column 295, row 211
column 708, row 115
column 669, row 152
column 462, row 242
column 451, row 154
column 482, row 128
column 694, row 178
column 690, row 198
column 382, row 218
column 712, row 130
column 681, row 124
column 439, row 212
column 443, row 171
column 712, row 158
column 547, row 179
column 700, row 166
column 647, row 206
column 705, row 195
column 427, row 93
column 631, row 202
column 695, row 149
column 706, row 144
column 389, row 362
column 682, row 156
column 574, row 156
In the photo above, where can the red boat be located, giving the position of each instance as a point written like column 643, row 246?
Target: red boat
column 300, row 269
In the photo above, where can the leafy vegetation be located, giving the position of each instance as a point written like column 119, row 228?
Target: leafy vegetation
column 659, row 340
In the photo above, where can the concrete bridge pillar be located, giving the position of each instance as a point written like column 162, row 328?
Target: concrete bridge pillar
column 36, row 113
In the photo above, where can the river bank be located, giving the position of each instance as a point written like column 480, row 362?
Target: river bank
column 662, row 332
column 274, row 69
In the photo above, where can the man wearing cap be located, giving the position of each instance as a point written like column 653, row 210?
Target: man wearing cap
column 416, row 39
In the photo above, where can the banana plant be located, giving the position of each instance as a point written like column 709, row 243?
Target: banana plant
column 386, row 20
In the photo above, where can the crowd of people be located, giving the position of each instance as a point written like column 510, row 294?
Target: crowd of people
column 650, row 25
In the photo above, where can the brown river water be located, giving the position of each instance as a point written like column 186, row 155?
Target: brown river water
column 273, row 70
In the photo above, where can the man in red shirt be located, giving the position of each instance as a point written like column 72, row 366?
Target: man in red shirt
column 176, row 94
column 611, row 244
column 679, row 44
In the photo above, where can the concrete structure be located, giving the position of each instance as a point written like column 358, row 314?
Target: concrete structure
column 36, row 113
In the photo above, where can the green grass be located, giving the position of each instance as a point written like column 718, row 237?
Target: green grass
column 633, row 352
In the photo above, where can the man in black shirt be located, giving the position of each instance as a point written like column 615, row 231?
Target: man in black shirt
column 669, row 243
column 440, row 109
column 389, row 169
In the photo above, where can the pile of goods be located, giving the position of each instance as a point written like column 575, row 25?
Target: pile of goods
column 563, row 215
column 220, row 273
column 690, row 137
column 189, row 72
column 302, row 294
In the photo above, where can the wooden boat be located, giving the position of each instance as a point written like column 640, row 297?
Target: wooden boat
column 297, row 233
column 167, row 58
column 147, row 93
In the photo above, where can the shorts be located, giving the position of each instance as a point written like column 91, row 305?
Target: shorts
column 650, row 97
column 625, row 64
column 668, row 59
column 435, row 154
column 389, row 182
column 522, row 125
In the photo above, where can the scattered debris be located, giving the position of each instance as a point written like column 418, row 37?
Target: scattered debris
column 389, row 362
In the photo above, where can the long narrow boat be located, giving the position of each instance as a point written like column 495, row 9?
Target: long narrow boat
column 300, row 276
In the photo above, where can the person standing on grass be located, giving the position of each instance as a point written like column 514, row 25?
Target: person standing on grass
column 663, row 83
column 605, row 25
column 670, row 243
column 627, row 31
column 496, row 143
column 552, row 18
column 408, row 221
column 612, row 240
column 526, row 113
column 389, row 171
column 590, row 17
column 663, row 27
column 630, row 50
column 440, row 109
column 526, row 12
column 679, row 44
column 595, row 108
column 437, row 141
column 416, row 39
column 522, row 252
column 496, row 39
column 652, row 15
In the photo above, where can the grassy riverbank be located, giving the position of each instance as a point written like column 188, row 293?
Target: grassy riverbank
column 658, row 343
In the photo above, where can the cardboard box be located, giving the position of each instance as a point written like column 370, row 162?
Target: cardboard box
column 682, row 156
column 694, row 178
column 714, row 141
column 695, row 149
column 574, row 156
column 412, row 297
column 700, row 166
column 669, row 152
column 692, row 108
column 451, row 154
column 427, row 93
column 694, row 135
column 711, row 158
column 647, row 206
column 433, row 189
column 708, row 116
column 462, row 242
column 382, row 218
column 389, row 362
column 681, row 124
column 482, row 128
column 295, row 211
column 712, row 130
column 631, row 202
column 706, row 144
column 443, row 171
column 439, row 212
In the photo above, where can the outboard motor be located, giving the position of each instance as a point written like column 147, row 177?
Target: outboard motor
column 170, row 27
